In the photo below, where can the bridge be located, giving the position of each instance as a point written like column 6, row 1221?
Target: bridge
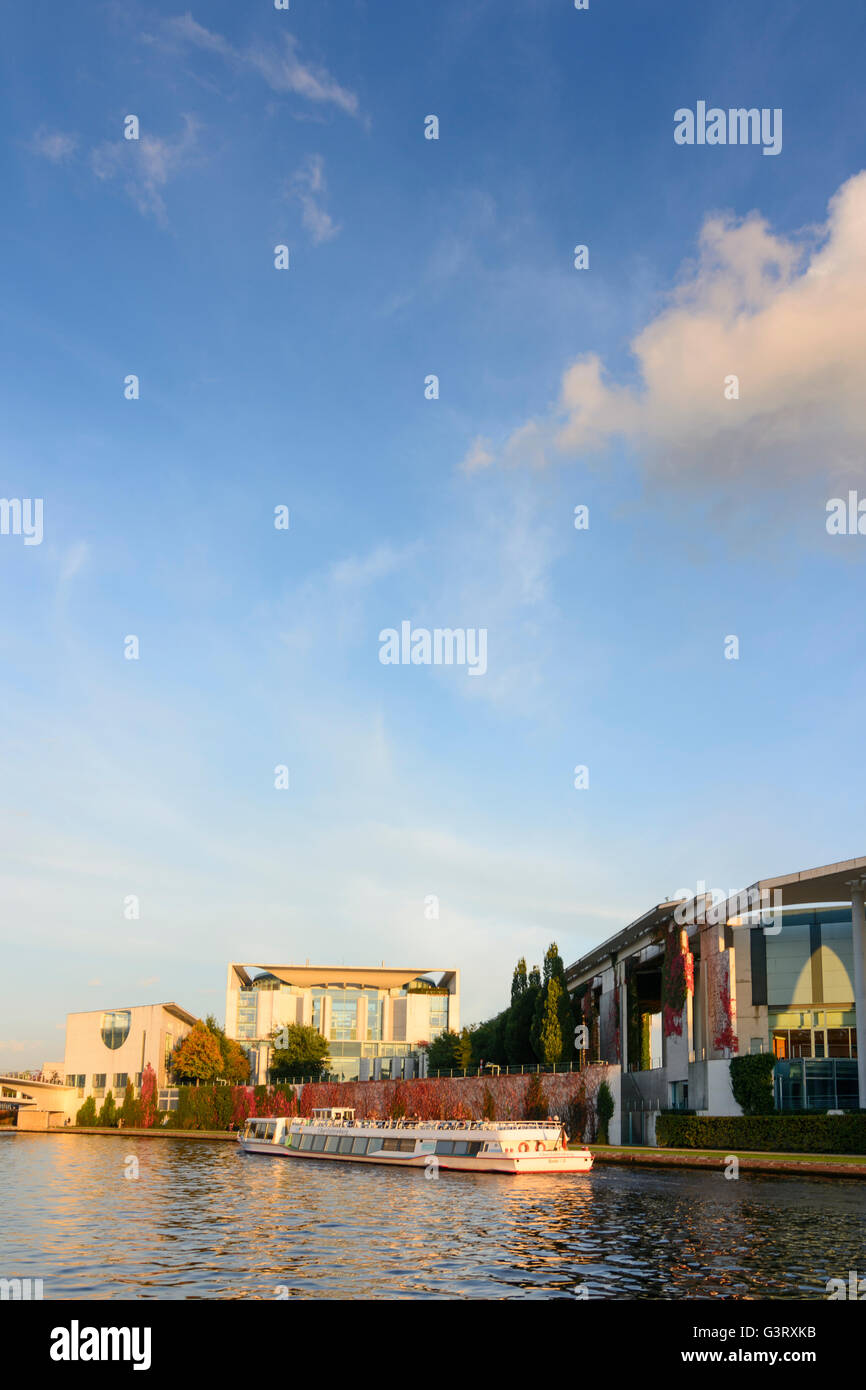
column 22, row 1091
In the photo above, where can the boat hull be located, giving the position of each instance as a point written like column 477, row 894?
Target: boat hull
column 562, row 1161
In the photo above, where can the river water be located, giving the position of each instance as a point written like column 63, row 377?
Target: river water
column 202, row 1221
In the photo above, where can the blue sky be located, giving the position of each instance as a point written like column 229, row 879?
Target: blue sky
column 305, row 388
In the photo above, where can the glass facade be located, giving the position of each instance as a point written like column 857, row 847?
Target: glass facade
column 247, row 1005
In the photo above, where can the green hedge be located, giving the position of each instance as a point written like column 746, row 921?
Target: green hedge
column 787, row 1133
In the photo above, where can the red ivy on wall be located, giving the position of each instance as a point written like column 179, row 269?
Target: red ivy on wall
column 678, row 982
column 726, row 1037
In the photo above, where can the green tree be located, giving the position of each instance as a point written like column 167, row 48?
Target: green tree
column 542, row 1032
column 130, row 1110
column 87, row 1113
column 442, row 1052
column 519, row 983
column 108, row 1112
column 518, row 1026
column 197, row 1057
column 605, row 1107
column 488, row 1040
column 464, row 1050
column 551, row 1032
column 298, row 1050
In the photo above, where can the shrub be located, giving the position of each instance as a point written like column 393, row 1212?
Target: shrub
column 108, row 1113
column 130, row 1110
column 488, row 1105
column 752, row 1083
column 605, row 1107
column 778, row 1133
column 87, row 1113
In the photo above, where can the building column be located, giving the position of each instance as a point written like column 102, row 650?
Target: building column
column 858, row 924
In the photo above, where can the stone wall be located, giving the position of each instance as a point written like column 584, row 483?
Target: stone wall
column 570, row 1095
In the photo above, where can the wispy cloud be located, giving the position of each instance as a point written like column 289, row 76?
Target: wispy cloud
column 73, row 561
column 147, row 165
column 307, row 186
column 54, row 145
column 280, row 65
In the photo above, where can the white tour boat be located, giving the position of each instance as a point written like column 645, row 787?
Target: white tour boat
column 473, row 1146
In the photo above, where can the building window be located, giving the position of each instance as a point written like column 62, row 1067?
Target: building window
column 115, row 1028
column 120, row 1080
column 344, row 1017
column 438, row 1014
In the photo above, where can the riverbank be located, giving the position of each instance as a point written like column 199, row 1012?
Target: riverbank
column 157, row 1132
column 822, row 1165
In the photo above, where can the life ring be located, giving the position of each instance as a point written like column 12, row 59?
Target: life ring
column 523, row 1148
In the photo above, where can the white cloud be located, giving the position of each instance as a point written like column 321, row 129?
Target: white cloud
column 280, row 66
column 479, row 455
column 54, row 145
column 355, row 572
column 307, row 185
column 147, row 164
column 787, row 317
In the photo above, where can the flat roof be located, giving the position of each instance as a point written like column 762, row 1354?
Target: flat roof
column 382, row 977
column 828, row 884
column 170, row 1008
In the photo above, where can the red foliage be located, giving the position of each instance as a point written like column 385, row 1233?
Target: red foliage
column 726, row 1037
column 148, row 1097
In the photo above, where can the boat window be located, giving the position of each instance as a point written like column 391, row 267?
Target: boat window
column 346, row 1144
column 332, row 1143
column 461, row 1147
column 319, row 1142
column 306, row 1141
column 474, row 1148
column 444, row 1146
column 407, row 1146
column 391, row 1145
column 359, row 1146
column 493, row 1148
column 270, row 1129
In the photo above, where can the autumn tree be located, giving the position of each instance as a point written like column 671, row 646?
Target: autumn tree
column 149, row 1099
column 235, row 1068
column 197, row 1057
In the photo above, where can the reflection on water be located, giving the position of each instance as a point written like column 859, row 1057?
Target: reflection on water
column 202, row 1221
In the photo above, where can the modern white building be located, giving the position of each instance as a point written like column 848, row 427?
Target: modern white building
column 375, row 1019
column 777, row 967
column 105, row 1049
